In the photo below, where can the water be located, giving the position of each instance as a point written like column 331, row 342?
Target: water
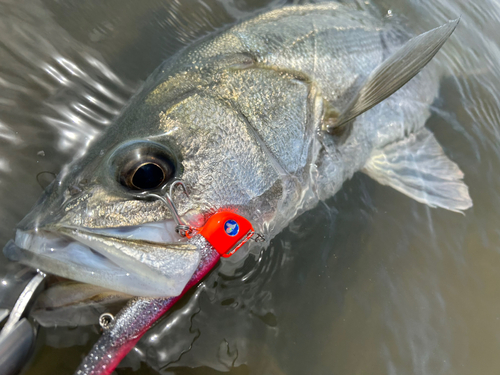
column 368, row 282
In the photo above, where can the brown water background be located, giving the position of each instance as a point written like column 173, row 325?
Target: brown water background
column 370, row 282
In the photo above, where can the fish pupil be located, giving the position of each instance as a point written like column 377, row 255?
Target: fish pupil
column 148, row 176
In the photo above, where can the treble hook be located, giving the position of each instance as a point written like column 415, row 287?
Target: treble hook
column 166, row 197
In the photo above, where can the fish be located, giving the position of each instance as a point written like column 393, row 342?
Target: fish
column 265, row 119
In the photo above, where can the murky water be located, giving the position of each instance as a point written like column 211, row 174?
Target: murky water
column 370, row 282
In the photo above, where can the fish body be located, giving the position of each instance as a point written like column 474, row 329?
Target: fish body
column 242, row 118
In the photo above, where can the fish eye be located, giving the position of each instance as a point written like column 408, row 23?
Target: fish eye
column 145, row 167
column 149, row 173
column 147, row 176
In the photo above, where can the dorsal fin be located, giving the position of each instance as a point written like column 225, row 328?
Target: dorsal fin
column 395, row 71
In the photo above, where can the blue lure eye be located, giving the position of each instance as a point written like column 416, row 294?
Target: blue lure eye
column 231, row 228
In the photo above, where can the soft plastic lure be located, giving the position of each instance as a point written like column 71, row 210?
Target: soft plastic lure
column 132, row 322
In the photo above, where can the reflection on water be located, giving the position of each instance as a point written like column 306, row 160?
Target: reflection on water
column 369, row 282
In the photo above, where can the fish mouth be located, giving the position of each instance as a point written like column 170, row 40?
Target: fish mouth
column 149, row 260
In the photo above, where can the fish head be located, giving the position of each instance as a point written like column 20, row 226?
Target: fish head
column 99, row 222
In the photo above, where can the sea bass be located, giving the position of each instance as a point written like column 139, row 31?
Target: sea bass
column 264, row 119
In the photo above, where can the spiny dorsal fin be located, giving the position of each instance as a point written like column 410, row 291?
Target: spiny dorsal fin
column 395, row 71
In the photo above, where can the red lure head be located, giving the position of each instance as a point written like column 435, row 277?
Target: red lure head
column 227, row 232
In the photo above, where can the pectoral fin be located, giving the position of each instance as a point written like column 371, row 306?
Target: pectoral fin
column 394, row 72
column 418, row 167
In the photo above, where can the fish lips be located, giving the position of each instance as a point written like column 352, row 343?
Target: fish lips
column 136, row 262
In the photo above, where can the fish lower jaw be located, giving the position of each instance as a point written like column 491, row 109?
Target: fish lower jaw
column 59, row 254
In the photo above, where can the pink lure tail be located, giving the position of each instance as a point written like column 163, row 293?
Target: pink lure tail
column 137, row 317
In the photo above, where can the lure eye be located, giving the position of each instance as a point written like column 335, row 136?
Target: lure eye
column 145, row 167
